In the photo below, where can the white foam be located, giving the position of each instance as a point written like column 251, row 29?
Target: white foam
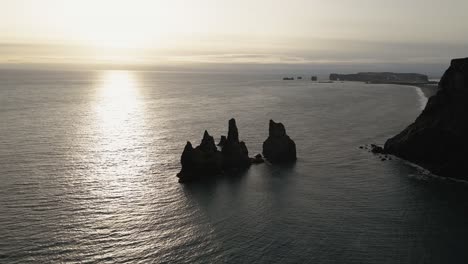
column 424, row 174
column 422, row 99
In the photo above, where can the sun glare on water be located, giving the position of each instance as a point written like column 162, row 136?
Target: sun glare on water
column 119, row 122
column 115, row 137
column 117, row 94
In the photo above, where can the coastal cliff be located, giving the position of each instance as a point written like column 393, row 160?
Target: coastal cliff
column 438, row 139
column 381, row 77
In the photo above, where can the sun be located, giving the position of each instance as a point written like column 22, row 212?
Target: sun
column 118, row 87
column 113, row 24
column 117, row 94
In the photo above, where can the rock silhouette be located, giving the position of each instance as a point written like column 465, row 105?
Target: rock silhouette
column 201, row 162
column 438, row 139
column 257, row 159
column 206, row 161
column 279, row 147
column 234, row 152
column 222, row 141
column 377, row 149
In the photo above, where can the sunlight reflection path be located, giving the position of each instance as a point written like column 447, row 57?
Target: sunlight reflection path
column 117, row 96
column 120, row 148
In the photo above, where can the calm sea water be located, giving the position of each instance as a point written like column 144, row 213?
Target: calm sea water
column 88, row 163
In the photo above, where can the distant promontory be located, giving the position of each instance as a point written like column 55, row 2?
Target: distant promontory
column 382, row 77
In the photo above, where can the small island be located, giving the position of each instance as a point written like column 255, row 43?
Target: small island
column 206, row 161
column 279, row 147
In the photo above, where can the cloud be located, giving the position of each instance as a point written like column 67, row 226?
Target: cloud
column 279, row 55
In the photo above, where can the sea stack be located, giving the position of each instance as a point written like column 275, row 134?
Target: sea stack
column 279, row 147
column 202, row 162
column 438, row 139
column 222, row 141
column 234, row 152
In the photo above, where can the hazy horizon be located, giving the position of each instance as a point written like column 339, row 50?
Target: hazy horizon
column 213, row 131
column 303, row 36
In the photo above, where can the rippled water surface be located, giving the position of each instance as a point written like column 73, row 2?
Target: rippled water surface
column 88, row 163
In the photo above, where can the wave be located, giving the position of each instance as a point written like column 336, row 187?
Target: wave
column 422, row 98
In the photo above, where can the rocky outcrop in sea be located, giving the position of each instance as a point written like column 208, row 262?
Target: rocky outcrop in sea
column 438, row 139
column 222, row 141
column 202, row 162
column 235, row 152
column 207, row 161
column 279, row 147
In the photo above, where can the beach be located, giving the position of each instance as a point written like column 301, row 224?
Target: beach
column 428, row 89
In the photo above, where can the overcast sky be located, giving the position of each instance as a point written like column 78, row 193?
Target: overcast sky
column 267, row 32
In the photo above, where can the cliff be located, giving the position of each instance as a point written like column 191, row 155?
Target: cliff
column 438, row 139
column 381, row 77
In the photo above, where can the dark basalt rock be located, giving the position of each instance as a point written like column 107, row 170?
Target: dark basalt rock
column 279, row 147
column 208, row 144
column 222, row 141
column 201, row 162
column 377, row 149
column 234, row 152
column 438, row 139
column 206, row 161
column 258, row 159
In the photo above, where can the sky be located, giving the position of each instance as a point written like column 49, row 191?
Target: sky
column 357, row 34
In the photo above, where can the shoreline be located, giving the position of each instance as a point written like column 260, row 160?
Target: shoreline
column 428, row 89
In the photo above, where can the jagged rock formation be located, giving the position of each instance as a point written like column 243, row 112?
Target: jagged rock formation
column 206, row 161
column 234, row 152
column 382, row 77
column 438, row 139
column 222, row 141
column 201, row 162
column 377, row 149
column 279, row 147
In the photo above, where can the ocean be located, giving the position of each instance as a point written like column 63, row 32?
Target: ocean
column 88, row 164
